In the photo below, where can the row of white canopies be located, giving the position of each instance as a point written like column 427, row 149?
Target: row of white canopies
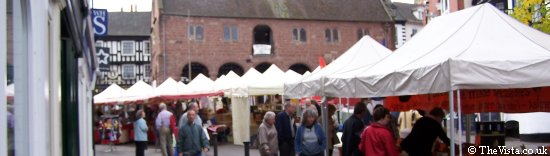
column 251, row 83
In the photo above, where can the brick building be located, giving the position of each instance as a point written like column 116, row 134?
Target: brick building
column 222, row 35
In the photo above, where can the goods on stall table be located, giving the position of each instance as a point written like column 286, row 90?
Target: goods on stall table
column 110, row 130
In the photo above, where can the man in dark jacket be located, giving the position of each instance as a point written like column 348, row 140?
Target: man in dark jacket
column 353, row 127
column 424, row 132
column 286, row 130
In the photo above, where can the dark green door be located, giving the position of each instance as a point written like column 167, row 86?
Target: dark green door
column 69, row 98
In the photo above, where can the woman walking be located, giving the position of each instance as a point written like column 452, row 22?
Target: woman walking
column 140, row 133
column 310, row 138
column 267, row 136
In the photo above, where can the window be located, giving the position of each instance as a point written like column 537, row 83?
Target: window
column 147, row 71
column 361, row 33
column 445, row 6
column 299, row 34
column 230, row 33
column 128, row 48
column 99, row 43
column 332, row 35
column 195, row 32
column 128, row 71
column 147, row 48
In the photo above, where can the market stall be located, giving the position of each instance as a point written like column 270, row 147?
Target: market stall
column 466, row 51
column 200, row 86
column 111, row 95
column 363, row 54
column 138, row 93
column 240, row 107
column 169, row 89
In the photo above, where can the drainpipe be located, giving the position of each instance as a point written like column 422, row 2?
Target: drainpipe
column 163, row 48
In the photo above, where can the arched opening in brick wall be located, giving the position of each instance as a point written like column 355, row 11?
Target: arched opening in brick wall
column 196, row 69
column 262, row 34
column 225, row 68
column 262, row 67
column 299, row 68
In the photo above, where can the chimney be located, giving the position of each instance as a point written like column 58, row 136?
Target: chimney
column 131, row 8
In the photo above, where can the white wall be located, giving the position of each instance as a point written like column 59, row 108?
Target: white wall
column 85, row 88
column 3, row 74
column 37, row 68
column 530, row 123
column 35, row 24
column 55, row 80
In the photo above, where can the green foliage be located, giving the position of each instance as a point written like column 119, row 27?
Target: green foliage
column 534, row 13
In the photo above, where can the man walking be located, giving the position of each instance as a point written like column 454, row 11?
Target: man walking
column 195, row 107
column 424, row 133
column 191, row 138
column 353, row 127
column 163, row 126
column 284, row 123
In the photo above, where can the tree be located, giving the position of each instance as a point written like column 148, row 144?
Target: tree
column 534, row 13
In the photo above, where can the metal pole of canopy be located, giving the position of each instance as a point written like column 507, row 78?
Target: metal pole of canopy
column 459, row 121
column 452, row 123
column 324, row 112
column 339, row 109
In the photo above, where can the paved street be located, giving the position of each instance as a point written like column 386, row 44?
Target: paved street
column 129, row 149
column 237, row 150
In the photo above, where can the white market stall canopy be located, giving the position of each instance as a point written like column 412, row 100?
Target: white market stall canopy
column 291, row 76
column 219, row 83
column 241, row 87
column 112, row 94
column 138, row 92
column 169, row 88
column 363, row 54
column 476, row 48
column 269, row 83
column 201, row 86
column 229, row 82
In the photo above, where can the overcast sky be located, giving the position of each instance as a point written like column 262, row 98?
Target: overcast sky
column 116, row 5
column 145, row 5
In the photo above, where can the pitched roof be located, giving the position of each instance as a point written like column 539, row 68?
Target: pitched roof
column 404, row 12
column 339, row 10
column 129, row 23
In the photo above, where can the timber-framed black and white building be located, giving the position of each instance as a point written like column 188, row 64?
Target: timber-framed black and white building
column 129, row 55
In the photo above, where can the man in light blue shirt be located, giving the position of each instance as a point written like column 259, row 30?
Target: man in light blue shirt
column 163, row 126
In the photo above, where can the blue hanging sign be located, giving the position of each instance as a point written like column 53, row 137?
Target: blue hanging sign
column 100, row 20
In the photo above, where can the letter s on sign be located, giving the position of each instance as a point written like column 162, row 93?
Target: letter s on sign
column 99, row 23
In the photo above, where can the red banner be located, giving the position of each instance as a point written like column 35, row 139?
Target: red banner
column 474, row 101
